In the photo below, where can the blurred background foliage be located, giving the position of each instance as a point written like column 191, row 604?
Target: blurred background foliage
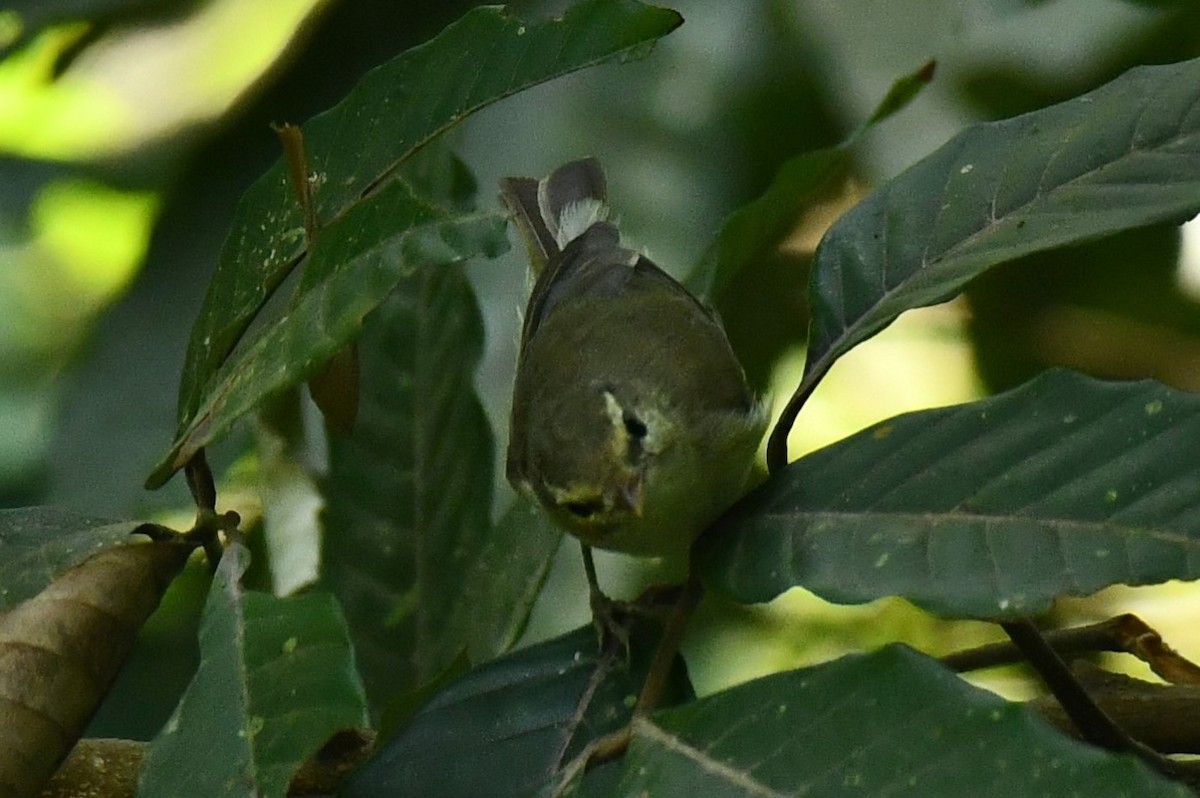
column 129, row 128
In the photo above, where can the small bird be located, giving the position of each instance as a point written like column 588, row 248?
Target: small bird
column 632, row 421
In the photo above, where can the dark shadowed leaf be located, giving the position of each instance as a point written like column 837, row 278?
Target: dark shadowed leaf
column 357, row 145
column 39, row 543
column 509, row 728
column 1114, row 308
column 506, row 579
column 409, row 493
column 987, row 510
column 276, row 680
column 1122, row 156
column 892, row 723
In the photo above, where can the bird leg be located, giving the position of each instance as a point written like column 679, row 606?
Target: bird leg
column 612, row 617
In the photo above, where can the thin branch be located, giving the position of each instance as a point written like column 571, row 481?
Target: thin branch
column 1165, row 717
column 200, row 481
column 1126, row 633
column 668, row 646
column 1092, row 722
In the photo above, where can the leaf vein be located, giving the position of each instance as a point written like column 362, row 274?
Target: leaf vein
column 652, row 733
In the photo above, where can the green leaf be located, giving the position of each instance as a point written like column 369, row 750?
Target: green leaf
column 39, row 543
column 890, row 723
column 512, row 726
column 987, row 510
column 409, row 493
column 760, row 226
column 359, row 143
column 435, row 171
column 276, row 680
column 902, row 91
column 353, row 268
column 756, row 292
column 507, row 577
column 1085, row 307
column 751, row 232
column 401, row 709
column 1125, row 155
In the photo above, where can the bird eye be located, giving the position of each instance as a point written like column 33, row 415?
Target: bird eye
column 634, row 426
column 584, row 509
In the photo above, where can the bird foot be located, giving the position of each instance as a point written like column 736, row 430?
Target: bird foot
column 614, row 619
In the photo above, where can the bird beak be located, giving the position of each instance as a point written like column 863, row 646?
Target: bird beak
column 630, row 496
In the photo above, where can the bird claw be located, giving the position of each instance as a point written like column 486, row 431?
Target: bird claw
column 614, row 619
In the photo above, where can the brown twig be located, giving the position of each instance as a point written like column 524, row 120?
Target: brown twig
column 1164, row 716
column 292, row 139
column 668, row 645
column 200, row 481
column 1093, row 723
column 1122, row 634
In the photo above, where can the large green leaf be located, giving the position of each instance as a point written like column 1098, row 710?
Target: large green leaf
column 988, row 510
column 891, row 723
column 1122, row 156
column 353, row 268
column 511, row 727
column 358, row 144
column 276, row 681
column 410, row 491
column 39, row 543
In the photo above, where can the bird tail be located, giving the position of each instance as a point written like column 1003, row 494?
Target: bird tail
column 551, row 212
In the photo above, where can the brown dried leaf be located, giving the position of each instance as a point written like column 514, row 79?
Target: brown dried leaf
column 61, row 650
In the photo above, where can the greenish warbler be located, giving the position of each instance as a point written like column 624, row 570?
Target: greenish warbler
column 632, row 422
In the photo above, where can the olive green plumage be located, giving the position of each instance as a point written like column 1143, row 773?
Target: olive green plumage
column 632, row 423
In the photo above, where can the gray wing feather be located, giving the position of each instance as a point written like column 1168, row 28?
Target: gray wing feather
column 520, row 195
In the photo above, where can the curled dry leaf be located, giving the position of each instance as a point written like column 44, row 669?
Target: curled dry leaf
column 61, row 650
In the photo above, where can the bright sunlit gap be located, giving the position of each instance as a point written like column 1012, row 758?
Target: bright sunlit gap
column 923, row 360
column 98, row 235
